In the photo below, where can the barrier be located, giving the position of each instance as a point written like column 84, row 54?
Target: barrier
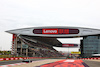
column 96, row 58
column 7, row 59
column 1, row 59
column 16, row 58
column 21, row 58
column 12, row 58
column 99, row 58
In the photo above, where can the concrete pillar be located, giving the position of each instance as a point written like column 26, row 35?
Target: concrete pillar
column 21, row 48
column 33, row 54
column 26, row 52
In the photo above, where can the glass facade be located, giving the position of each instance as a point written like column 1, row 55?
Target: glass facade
column 91, row 45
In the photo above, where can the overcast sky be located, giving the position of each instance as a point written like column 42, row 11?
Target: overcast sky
column 16, row 14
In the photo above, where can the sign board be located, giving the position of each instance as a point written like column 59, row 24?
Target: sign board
column 76, row 52
column 24, row 46
column 55, row 31
column 69, row 45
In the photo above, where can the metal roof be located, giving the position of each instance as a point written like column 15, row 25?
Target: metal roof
column 52, row 38
column 29, row 31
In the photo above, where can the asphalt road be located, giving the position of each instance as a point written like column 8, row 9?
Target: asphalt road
column 89, row 63
column 15, row 61
column 10, row 62
column 19, row 61
column 92, row 63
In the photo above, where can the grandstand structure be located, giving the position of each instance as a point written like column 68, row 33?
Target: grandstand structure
column 34, row 46
column 39, row 41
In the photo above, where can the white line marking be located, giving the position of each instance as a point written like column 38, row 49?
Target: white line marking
column 69, row 61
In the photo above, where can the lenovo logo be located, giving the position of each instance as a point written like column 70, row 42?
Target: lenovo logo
column 49, row 31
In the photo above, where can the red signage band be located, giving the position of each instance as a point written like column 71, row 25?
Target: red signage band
column 69, row 45
column 63, row 31
column 55, row 31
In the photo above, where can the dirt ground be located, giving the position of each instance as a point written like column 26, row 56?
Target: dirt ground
column 94, row 60
column 92, row 63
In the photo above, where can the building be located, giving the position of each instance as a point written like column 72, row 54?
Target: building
column 90, row 45
column 39, row 41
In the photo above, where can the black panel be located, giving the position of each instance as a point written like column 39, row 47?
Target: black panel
column 73, row 31
column 37, row 31
column 60, row 31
